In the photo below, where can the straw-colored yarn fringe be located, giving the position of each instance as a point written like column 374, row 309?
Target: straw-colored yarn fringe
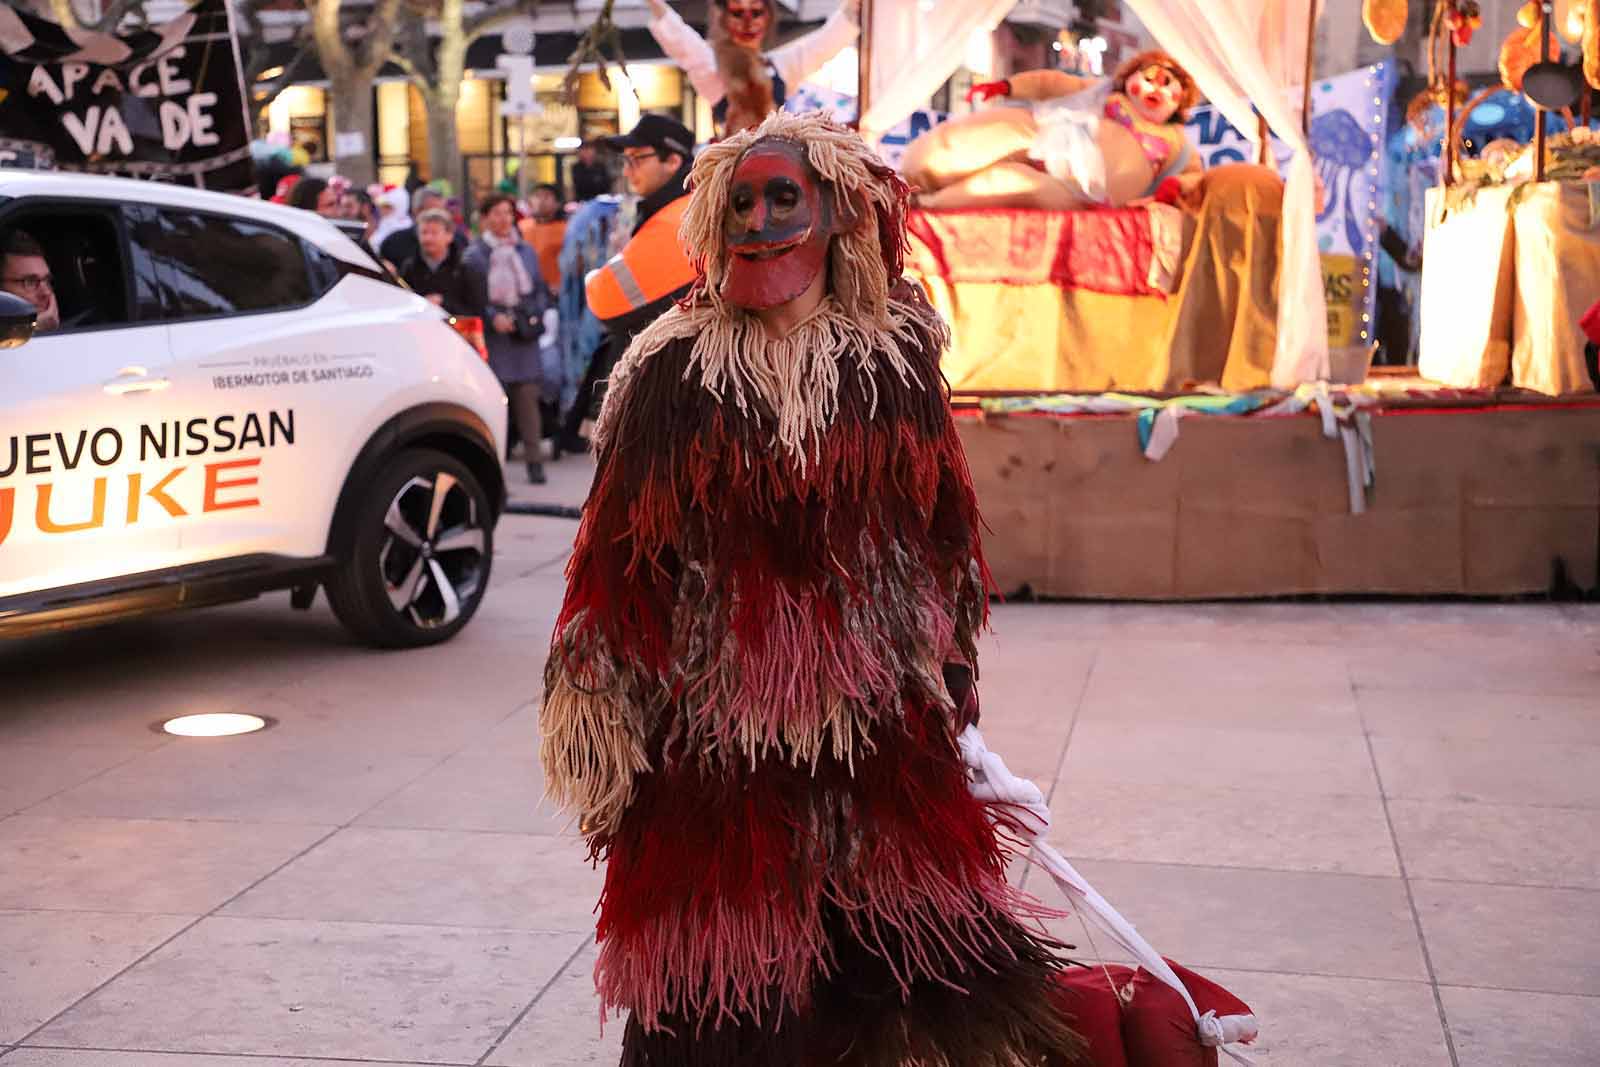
column 590, row 752
column 793, row 380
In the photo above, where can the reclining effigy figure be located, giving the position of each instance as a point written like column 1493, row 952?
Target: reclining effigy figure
column 1083, row 143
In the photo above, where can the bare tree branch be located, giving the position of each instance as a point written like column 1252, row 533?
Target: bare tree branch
column 282, row 81
column 417, row 78
column 417, row 54
column 250, row 14
column 381, row 26
column 601, row 36
column 416, row 48
column 377, row 40
column 328, row 35
column 258, row 51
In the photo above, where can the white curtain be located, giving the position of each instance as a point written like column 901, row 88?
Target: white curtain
column 1244, row 52
column 915, row 50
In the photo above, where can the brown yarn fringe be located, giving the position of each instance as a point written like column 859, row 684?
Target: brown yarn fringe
column 1002, row 1014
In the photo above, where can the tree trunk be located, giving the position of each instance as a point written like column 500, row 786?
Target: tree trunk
column 351, row 93
column 444, row 151
column 450, row 67
column 350, row 79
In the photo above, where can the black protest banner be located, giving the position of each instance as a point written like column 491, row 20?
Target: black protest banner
column 165, row 102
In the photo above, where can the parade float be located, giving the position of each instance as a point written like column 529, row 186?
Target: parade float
column 1167, row 395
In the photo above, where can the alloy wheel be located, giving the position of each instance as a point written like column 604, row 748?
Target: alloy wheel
column 432, row 560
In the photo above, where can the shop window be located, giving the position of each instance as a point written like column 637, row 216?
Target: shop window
column 478, row 116
column 301, row 112
column 393, row 126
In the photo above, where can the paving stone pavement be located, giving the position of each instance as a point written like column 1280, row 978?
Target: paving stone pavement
column 1372, row 821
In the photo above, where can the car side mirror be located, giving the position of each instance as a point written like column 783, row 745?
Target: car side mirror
column 17, row 320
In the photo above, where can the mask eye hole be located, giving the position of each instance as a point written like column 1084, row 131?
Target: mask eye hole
column 785, row 194
column 743, row 199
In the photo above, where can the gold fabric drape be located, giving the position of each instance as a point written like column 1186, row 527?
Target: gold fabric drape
column 1220, row 326
column 1506, row 276
column 1558, row 277
column 1468, row 288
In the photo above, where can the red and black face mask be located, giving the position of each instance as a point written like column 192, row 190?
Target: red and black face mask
column 778, row 223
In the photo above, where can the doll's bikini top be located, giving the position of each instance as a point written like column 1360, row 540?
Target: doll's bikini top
column 1159, row 147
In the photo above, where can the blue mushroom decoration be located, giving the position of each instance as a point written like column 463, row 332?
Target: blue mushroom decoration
column 1342, row 148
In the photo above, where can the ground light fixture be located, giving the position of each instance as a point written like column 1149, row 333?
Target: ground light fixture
column 214, row 724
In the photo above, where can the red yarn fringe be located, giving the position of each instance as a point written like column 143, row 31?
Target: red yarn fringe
column 716, row 884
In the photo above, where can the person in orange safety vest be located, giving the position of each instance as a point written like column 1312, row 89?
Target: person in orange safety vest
column 652, row 270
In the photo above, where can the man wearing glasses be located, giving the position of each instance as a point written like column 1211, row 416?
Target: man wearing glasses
column 652, row 271
column 655, row 160
column 26, row 274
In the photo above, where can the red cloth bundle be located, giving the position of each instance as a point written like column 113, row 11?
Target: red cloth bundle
column 1590, row 323
column 1148, row 1024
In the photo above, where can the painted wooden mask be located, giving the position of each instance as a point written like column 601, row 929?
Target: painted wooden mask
column 778, row 223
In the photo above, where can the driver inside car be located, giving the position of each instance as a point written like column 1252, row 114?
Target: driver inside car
column 25, row 273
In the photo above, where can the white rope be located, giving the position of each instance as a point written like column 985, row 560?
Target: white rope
column 993, row 783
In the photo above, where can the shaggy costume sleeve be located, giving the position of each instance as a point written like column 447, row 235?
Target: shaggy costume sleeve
column 690, row 51
column 803, row 57
column 608, row 663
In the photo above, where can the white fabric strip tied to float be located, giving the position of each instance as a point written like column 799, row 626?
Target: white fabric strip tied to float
column 993, row 783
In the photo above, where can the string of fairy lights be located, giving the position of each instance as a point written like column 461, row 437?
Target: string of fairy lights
column 1375, row 79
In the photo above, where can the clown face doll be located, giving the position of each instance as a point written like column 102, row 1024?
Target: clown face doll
column 745, row 23
column 1083, row 143
column 740, row 79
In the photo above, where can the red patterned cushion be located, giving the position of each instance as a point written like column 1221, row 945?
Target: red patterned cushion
column 1106, row 250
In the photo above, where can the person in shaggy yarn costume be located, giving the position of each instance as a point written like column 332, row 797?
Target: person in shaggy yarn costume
column 767, row 648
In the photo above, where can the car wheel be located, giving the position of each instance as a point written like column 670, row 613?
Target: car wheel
column 420, row 556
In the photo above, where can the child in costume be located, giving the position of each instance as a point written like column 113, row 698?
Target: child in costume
column 766, row 650
column 741, row 81
column 1084, row 143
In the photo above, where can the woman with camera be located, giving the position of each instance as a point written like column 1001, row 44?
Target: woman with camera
column 512, row 299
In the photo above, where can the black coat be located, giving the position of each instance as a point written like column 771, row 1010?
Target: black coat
column 452, row 280
column 400, row 246
column 590, row 180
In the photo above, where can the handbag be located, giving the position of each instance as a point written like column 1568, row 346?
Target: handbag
column 526, row 326
column 529, row 326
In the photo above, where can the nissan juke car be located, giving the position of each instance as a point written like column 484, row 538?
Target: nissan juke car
column 225, row 397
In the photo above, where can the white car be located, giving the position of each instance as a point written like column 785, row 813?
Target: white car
column 238, row 399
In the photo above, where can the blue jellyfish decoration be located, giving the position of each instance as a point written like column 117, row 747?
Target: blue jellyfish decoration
column 1342, row 149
